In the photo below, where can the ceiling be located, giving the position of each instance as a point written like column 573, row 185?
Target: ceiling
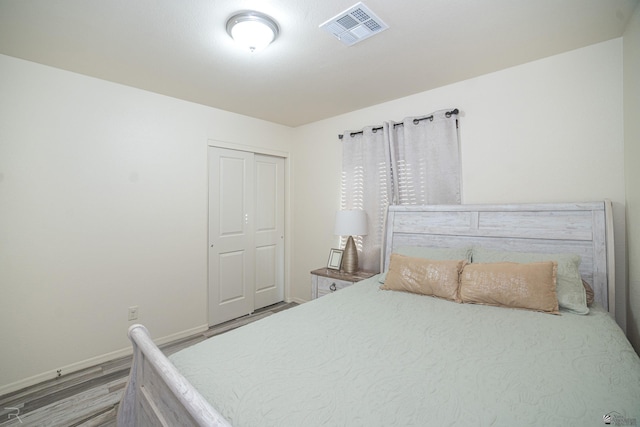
column 180, row 48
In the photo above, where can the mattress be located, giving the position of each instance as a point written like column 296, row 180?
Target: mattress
column 367, row 357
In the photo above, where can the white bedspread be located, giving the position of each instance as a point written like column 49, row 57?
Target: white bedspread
column 366, row 357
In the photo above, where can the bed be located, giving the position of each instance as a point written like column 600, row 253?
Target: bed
column 366, row 356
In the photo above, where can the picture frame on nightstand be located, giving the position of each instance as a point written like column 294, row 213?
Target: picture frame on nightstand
column 335, row 259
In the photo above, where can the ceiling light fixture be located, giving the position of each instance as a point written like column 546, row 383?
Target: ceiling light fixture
column 252, row 30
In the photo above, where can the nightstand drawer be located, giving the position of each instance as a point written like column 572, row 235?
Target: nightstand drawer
column 326, row 285
column 324, row 281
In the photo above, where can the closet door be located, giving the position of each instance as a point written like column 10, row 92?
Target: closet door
column 231, row 234
column 269, row 230
column 246, row 233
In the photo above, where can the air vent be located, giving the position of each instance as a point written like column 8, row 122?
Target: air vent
column 354, row 24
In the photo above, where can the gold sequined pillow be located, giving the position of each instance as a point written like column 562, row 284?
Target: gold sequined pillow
column 424, row 276
column 530, row 286
column 590, row 294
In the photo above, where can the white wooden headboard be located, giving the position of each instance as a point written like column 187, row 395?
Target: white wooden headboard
column 585, row 229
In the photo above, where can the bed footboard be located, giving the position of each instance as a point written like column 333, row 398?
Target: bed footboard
column 157, row 394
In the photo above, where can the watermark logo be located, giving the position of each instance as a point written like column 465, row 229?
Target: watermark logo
column 614, row 418
column 15, row 413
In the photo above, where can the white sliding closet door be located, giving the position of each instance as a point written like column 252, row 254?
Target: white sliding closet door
column 231, row 237
column 246, row 233
column 269, row 230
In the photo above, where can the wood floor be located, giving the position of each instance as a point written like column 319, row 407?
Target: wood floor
column 89, row 398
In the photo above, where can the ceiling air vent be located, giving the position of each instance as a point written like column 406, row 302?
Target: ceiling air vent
column 354, row 24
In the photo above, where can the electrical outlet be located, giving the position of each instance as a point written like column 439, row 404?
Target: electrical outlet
column 133, row 312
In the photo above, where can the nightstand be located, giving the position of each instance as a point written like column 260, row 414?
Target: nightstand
column 324, row 280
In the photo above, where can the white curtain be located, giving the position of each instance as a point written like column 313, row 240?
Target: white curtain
column 366, row 184
column 416, row 161
column 425, row 160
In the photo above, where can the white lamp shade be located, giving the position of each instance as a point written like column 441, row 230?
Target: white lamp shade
column 351, row 223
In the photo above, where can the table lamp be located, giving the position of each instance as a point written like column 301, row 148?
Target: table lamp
column 350, row 223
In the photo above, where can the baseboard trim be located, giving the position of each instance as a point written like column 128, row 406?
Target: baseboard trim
column 180, row 335
column 93, row 361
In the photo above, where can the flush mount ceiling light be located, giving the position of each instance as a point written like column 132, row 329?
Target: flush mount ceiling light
column 252, row 30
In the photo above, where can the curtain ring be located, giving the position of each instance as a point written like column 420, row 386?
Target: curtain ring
column 416, row 121
column 374, row 130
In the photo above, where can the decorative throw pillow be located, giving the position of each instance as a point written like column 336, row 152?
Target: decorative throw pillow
column 529, row 286
column 424, row 276
column 569, row 288
column 591, row 296
column 440, row 254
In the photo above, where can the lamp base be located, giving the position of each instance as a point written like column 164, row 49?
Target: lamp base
column 350, row 257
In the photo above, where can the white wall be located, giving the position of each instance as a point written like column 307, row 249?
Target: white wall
column 103, row 205
column 546, row 131
column 632, row 171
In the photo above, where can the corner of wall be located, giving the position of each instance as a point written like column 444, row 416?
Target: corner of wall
column 631, row 89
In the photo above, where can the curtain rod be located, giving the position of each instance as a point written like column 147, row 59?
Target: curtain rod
column 415, row 122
